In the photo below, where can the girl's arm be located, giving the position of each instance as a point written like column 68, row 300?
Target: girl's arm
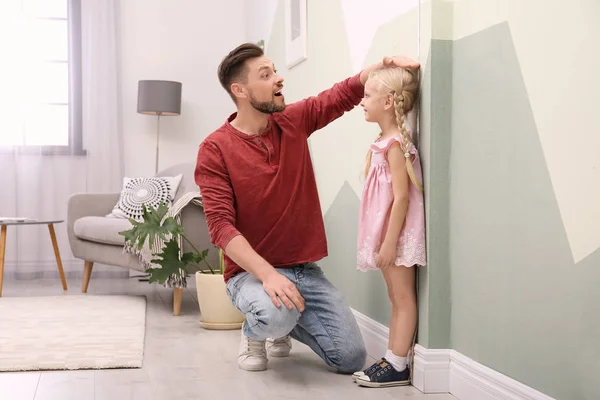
column 400, row 185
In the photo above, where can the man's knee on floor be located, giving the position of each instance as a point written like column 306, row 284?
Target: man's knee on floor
column 272, row 322
column 350, row 358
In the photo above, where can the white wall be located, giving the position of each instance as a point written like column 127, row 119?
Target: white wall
column 180, row 40
column 259, row 20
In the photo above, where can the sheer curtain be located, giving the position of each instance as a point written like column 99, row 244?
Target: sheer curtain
column 61, row 128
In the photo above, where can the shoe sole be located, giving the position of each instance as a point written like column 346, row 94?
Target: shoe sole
column 253, row 368
column 360, row 382
column 278, row 355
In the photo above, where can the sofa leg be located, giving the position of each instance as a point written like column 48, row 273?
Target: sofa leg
column 87, row 274
column 177, row 298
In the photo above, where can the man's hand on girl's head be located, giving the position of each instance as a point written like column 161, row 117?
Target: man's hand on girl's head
column 400, row 61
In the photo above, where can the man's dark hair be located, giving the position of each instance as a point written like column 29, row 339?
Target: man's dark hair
column 233, row 68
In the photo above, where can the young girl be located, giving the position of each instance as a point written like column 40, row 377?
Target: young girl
column 391, row 234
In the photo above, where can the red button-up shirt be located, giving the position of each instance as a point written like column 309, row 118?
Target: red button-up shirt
column 263, row 186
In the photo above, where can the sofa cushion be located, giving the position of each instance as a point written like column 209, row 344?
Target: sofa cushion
column 101, row 229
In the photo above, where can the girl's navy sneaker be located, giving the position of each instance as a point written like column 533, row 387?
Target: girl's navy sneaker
column 385, row 376
column 373, row 368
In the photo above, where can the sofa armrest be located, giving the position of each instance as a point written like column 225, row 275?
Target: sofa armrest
column 88, row 205
column 196, row 229
column 91, row 205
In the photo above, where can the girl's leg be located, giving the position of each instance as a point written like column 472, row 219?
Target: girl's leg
column 395, row 372
column 401, row 288
column 377, row 365
column 394, row 316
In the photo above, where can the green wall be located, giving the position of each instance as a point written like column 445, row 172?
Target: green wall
column 520, row 304
column 435, row 123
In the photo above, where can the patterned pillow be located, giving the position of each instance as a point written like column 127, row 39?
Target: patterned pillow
column 148, row 191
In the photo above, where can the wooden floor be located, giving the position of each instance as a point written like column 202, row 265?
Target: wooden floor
column 183, row 361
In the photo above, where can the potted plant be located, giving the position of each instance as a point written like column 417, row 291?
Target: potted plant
column 216, row 309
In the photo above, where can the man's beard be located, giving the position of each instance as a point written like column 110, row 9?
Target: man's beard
column 267, row 107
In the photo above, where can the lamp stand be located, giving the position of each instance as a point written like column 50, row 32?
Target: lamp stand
column 157, row 142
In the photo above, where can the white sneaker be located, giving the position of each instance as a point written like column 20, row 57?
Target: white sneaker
column 279, row 347
column 252, row 355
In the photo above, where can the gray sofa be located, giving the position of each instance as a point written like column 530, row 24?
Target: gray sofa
column 94, row 238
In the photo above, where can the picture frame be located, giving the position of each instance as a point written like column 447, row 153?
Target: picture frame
column 295, row 32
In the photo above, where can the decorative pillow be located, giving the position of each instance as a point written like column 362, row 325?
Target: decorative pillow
column 149, row 191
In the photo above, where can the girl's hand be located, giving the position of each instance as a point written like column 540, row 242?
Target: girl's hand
column 386, row 256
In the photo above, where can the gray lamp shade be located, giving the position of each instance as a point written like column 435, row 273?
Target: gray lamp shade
column 159, row 97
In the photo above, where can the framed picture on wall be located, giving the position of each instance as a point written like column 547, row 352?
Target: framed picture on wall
column 295, row 32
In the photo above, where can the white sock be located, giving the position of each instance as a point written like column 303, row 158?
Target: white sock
column 399, row 363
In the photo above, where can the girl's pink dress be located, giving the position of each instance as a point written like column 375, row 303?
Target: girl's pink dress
column 375, row 211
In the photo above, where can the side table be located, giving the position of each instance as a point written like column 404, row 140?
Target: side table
column 3, row 228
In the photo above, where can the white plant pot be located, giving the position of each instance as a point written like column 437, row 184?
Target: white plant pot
column 216, row 309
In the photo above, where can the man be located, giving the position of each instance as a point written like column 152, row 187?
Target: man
column 262, row 208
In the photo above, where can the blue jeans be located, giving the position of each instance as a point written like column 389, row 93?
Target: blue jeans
column 326, row 325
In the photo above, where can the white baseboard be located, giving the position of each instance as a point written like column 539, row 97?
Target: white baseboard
column 374, row 334
column 470, row 380
column 448, row 371
column 431, row 372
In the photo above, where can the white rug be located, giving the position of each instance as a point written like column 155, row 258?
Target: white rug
column 71, row 332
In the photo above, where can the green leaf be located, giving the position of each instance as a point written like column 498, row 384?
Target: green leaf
column 170, row 263
column 171, row 226
column 199, row 257
column 151, row 227
column 132, row 234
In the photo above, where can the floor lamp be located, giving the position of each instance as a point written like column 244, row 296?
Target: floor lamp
column 160, row 98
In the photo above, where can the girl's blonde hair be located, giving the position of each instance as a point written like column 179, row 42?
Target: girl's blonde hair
column 404, row 84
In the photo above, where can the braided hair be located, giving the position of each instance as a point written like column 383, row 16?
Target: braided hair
column 403, row 83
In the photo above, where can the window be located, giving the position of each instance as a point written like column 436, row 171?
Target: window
column 40, row 76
